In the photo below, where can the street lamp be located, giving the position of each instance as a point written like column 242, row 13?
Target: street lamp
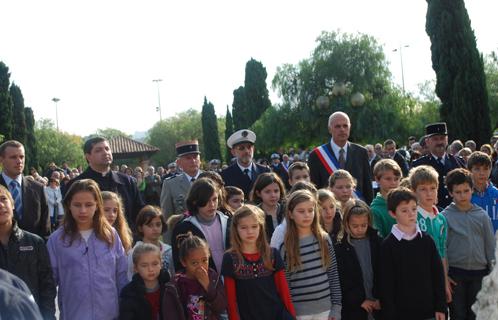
column 400, row 50
column 158, row 98
column 55, row 100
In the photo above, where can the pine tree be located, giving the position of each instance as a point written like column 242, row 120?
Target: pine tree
column 210, row 131
column 31, row 146
column 19, row 128
column 6, row 116
column 228, row 132
column 459, row 67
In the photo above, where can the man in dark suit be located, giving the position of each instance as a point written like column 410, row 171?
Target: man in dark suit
column 344, row 154
column 373, row 157
column 98, row 154
column 391, row 153
column 243, row 172
column 437, row 140
column 31, row 210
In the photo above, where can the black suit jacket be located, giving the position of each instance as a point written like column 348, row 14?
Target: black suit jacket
column 400, row 160
column 356, row 164
column 233, row 176
column 35, row 218
column 450, row 163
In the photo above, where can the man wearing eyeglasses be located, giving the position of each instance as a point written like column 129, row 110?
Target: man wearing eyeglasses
column 243, row 172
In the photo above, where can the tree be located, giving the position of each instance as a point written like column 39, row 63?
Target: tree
column 461, row 82
column 491, row 70
column 6, row 116
column 240, row 111
column 108, row 133
column 228, row 132
column 31, row 145
column 19, row 128
column 210, row 131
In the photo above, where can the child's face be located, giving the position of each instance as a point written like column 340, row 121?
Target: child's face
column 461, row 193
column 388, row 181
column 152, row 231
column 196, row 258
column 299, row 175
column 358, row 225
column 406, row 214
column 248, row 230
column 327, row 210
column 480, row 174
column 343, row 190
column 270, row 195
column 148, row 266
column 6, row 209
column 426, row 194
column 83, row 207
column 110, row 211
column 236, row 201
column 303, row 214
column 208, row 212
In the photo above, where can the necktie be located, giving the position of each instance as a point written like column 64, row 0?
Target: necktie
column 16, row 195
column 441, row 162
column 192, row 180
column 246, row 172
column 342, row 159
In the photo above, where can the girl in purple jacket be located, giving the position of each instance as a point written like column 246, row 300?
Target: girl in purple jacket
column 87, row 257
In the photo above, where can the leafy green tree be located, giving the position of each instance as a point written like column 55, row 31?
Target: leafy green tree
column 108, row 133
column 240, row 110
column 210, row 131
column 19, row 128
column 58, row 146
column 6, row 112
column 461, row 82
column 491, row 70
column 31, row 145
column 228, row 132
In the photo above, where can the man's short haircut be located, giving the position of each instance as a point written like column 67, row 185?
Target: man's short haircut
column 298, row 165
column 385, row 165
column 423, row 175
column 479, row 158
column 389, row 142
column 399, row 195
column 458, row 176
column 9, row 143
column 88, row 146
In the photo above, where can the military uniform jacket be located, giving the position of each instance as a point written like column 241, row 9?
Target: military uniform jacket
column 174, row 195
column 233, row 176
column 450, row 163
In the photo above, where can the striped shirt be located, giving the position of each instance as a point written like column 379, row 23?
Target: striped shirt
column 313, row 289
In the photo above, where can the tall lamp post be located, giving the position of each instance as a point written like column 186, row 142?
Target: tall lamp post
column 158, row 98
column 55, row 100
column 400, row 50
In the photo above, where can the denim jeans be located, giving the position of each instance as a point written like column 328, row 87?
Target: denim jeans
column 464, row 295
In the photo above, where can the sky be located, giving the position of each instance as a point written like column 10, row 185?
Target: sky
column 100, row 57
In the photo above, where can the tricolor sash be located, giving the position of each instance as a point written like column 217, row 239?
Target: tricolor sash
column 331, row 164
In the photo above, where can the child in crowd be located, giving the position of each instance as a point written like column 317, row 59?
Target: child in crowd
column 197, row 291
column 357, row 252
column 254, row 273
column 141, row 298
column 470, row 245
column 330, row 215
column 485, row 194
column 215, row 177
column 411, row 272
column 342, row 185
column 87, row 257
column 205, row 221
column 310, row 263
column 387, row 174
column 234, row 197
column 25, row 255
column 424, row 181
column 150, row 227
column 298, row 171
column 113, row 211
column 268, row 193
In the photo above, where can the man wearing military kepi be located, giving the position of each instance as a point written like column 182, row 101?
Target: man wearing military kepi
column 244, row 171
column 437, row 140
column 175, row 189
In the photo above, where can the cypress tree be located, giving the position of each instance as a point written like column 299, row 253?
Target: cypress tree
column 240, row 111
column 210, row 131
column 256, row 93
column 459, row 67
column 6, row 117
column 19, row 128
column 30, row 146
column 228, row 132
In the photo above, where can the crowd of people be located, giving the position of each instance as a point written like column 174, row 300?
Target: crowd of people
column 339, row 232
